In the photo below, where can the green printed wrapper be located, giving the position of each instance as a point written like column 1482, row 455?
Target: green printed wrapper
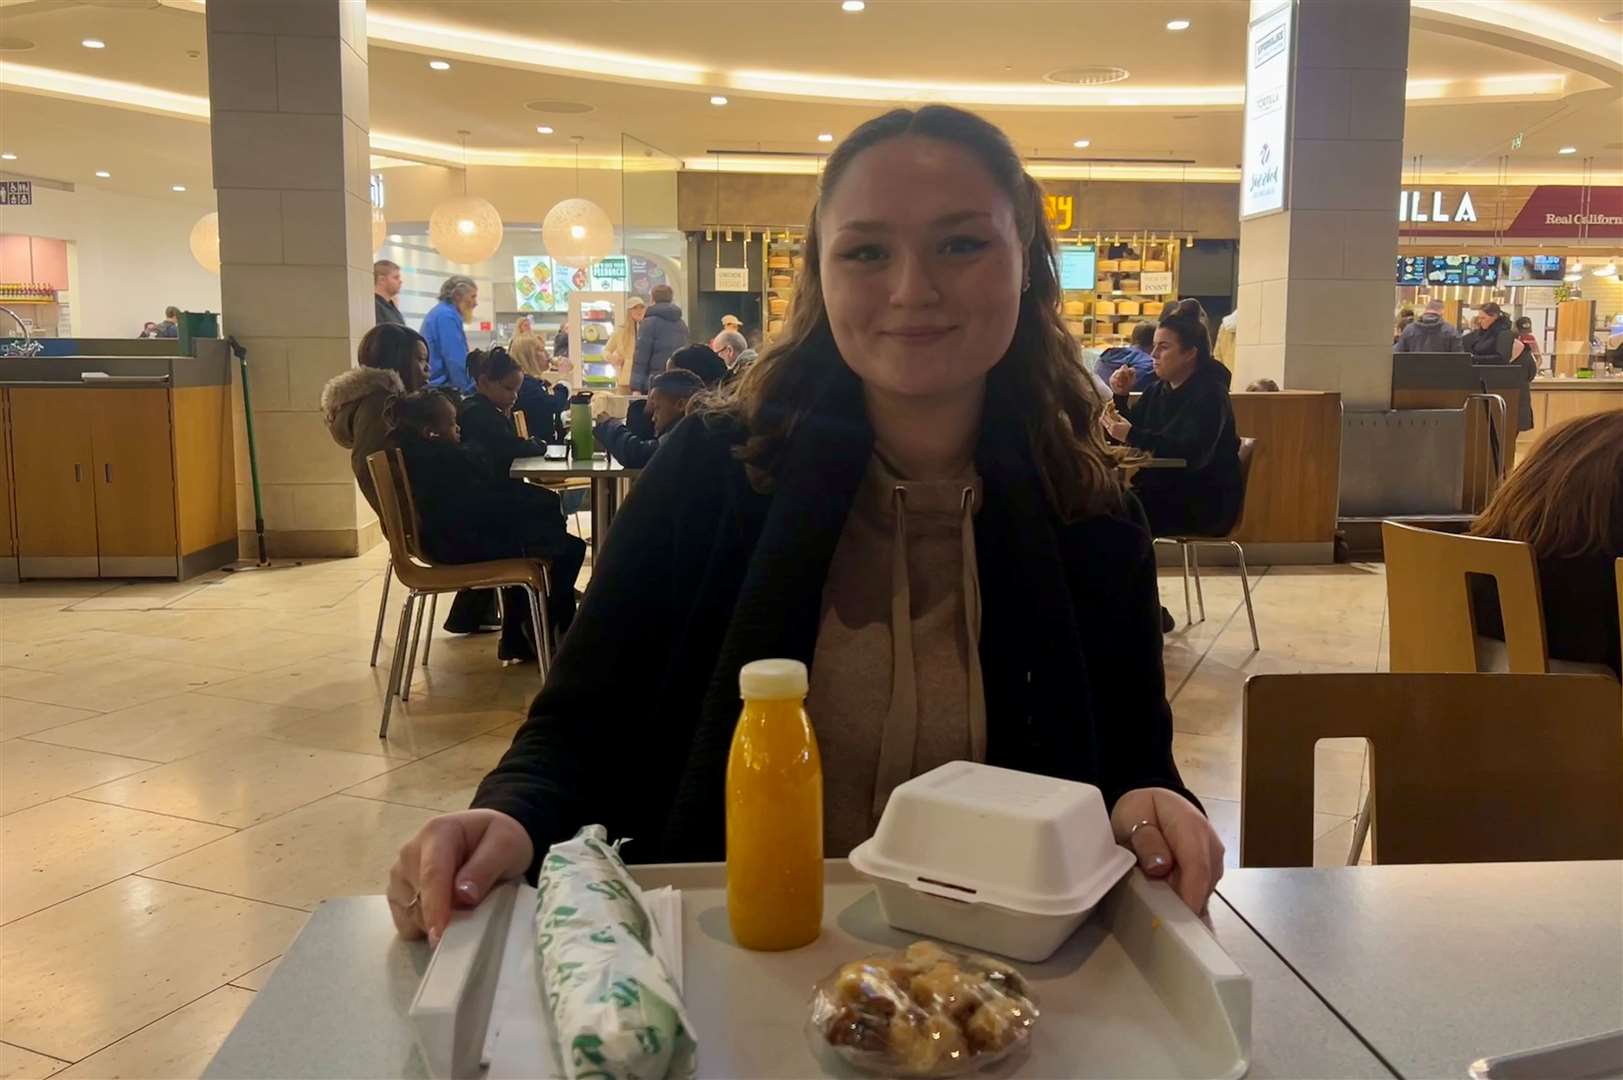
column 616, row 1012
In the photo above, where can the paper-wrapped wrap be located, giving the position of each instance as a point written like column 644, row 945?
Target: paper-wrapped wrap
column 615, row 1009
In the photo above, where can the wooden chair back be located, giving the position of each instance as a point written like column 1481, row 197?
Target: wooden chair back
column 395, row 506
column 1248, row 454
column 1430, row 623
column 521, row 424
column 1463, row 767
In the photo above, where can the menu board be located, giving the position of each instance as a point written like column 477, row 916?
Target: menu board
column 535, row 284
column 1535, row 269
column 1462, row 270
column 1267, row 111
column 1078, row 267
column 1411, row 269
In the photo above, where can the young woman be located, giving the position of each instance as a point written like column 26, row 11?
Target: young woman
column 542, row 401
column 1566, row 500
column 393, row 360
column 909, row 491
column 469, row 516
column 622, row 346
column 1185, row 414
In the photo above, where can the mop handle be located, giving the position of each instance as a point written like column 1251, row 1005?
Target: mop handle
column 253, row 453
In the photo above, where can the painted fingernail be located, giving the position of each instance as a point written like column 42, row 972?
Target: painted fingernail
column 1159, row 860
column 468, row 890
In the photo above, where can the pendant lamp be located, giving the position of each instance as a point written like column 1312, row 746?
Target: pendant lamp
column 205, row 242
column 467, row 229
column 577, row 231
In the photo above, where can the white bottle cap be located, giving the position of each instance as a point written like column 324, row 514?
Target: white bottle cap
column 772, row 680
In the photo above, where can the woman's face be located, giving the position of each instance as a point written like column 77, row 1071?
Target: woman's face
column 1172, row 362
column 921, row 266
column 637, row 313
column 502, row 392
column 420, row 354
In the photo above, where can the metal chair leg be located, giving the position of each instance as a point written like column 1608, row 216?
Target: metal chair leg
column 1188, row 611
column 1245, row 585
column 501, row 609
column 1366, row 815
column 428, row 641
column 539, row 627
column 411, row 653
column 1200, row 594
column 383, row 603
column 395, row 664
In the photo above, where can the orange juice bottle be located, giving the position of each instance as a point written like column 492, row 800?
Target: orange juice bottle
column 774, row 812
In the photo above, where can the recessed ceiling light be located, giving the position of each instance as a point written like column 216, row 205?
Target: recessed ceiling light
column 440, row 65
column 103, row 174
column 717, row 99
column 827, row 136
column 93, row 43
column 1178, row 24
column 177, row 187
column 852, row 5
column 543, row 130
column 1082, row 144
column 1567, row 150
column 8, row 157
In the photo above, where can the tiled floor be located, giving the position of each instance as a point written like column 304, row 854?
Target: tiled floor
column 187, row 769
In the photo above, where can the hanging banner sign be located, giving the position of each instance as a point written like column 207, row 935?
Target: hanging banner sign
column 1267, row 112
column 732, row 279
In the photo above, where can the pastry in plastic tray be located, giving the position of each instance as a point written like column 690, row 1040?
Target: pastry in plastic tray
column 923, row 1012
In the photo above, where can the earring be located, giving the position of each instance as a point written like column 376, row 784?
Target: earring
column 1025, row 286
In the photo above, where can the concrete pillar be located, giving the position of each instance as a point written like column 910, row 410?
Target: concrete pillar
column 289, row 119
column 1316, row 279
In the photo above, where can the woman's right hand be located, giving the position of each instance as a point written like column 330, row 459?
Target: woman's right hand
column 454, row 861
column 1122, row 379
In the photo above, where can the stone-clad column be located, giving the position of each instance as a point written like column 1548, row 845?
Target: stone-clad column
column 1316, row 280
column 289, row 119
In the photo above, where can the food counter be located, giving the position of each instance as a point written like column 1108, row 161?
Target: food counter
column 1557, row 399
column 117, row 465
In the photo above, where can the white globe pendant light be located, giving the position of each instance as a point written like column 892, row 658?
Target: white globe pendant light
column 380, row 229
column 205, row 242
column 577, row 231
column 466, row 229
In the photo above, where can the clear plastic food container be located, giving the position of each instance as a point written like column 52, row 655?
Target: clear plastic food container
column 998, row 860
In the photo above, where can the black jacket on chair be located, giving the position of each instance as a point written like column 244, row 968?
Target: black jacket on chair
column 702, row 574
column 490, row 433
column 465, row 515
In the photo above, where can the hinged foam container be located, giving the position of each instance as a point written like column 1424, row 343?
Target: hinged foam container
column 999, row 860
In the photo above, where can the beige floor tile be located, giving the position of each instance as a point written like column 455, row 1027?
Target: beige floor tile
column 263, row 650
column 507, row 731
column 182, row 625
column 1209, row 764
column 340, row 846
column 19, row 1064
column 317, row 684
column 419, row 727
column 444, row 781
column 62, row 848
column 242, row 783
column 114, row 684
column 30, row 625
column 111, row 961
column 31, row 772
column 172, row 728
column 258, row 977
column 142, row 595
column 53, row 653
column 177, row 1047
column 18, row 717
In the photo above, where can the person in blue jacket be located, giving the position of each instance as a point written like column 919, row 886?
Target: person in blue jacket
column 447, row 340
column 1136, row 356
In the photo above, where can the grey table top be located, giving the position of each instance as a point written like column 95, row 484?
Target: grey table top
column 336, row 1005
column 1437, row 966
column 601, row 465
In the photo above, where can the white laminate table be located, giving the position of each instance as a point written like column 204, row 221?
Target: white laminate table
column 1437, row 966
column 603, row 471
column 336, row 1006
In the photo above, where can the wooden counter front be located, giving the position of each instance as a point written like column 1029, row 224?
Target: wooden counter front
column 1559, row 400
column 1296, row 472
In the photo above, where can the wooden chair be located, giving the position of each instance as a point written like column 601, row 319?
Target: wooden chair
column 424, row 578
column 521, row 424
column 1463, row 767
column 1189, row 546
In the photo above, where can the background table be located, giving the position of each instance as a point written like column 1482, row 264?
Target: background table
column 604, row 472
column 1437, row 966
column 336, row 1005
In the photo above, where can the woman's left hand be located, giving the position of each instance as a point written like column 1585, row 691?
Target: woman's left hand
column 1116, row 426
column 1177, row 844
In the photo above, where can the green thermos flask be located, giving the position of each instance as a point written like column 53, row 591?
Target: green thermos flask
column 581, row 440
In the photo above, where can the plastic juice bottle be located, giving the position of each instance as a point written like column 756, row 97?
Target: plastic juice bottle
column 774, row 812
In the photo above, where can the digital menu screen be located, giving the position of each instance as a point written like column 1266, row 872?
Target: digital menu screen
column 534, row 284
column 1535, row 269
column 1411, row 269
column 1078, row 267
column 1462, row 270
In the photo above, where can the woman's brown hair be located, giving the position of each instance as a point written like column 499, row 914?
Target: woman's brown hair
column 1566, row 500
column 1041, row 370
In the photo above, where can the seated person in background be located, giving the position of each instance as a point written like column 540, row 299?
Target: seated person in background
column 668, row 397
column 486, row 416
column 1187, row 415
column 729, row 345
column 1135, row 355
column 542, row 401
column 1263, row 386
column 1566, row 501
column 703, row 362
column 467, row 516
column 1428, row 333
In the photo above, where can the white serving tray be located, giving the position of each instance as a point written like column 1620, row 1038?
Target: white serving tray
column 1141, row 990
column 1598, row 1057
